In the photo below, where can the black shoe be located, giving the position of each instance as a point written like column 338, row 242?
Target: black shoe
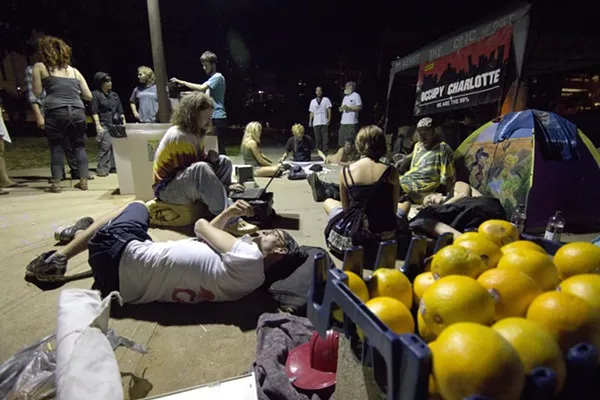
column 317, row 187
column 65, row 234
column 47, row 271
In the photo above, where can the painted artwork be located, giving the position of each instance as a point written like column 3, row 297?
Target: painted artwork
column 501, row 170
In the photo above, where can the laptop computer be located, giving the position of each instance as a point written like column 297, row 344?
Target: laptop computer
column 253, row 193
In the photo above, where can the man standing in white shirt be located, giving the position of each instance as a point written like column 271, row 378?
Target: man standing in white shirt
column 319, row 118
column 214, row 266
column 351, row 105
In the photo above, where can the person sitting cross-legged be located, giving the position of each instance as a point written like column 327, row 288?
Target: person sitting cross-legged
column 184, row 173
column 263, row 166
column 300, row 146
column 214, row 266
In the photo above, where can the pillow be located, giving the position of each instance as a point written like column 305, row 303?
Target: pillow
column 289, row 284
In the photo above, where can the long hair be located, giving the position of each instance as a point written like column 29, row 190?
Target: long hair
column 55, row 52
column 148, row 72
column 187, row 113
column 252, row 132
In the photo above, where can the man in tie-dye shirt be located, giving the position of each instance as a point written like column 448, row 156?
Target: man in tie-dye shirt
column 184, row 173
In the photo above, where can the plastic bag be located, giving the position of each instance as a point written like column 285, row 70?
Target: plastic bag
column 29, row 374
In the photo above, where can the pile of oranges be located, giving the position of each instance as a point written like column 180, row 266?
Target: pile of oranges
column 492, row 308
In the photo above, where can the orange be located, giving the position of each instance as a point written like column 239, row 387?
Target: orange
column 486, row 249
column 390, row 282
column 567, row 318
column 469, row 236
column 538, row 266
column 356, row 286
column 424, row 331
column 577, row 258
column 499, row 231
column 457, row 260
column 522, row 244
column 536, row 347
column 421, row 283
column 513, row 291
column 586, row 287
column 393, row 313
column 454, row 299
column 473, row 359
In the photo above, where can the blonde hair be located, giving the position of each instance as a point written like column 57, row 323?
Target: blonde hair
column 252, row 132
column 187, row 112
column 297, row 130
column 370, row 142
column 148, row 72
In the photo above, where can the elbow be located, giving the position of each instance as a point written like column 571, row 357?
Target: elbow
column 200, row 226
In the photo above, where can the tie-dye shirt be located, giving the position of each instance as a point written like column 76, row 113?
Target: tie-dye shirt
column 176, row 151
column 428, row 169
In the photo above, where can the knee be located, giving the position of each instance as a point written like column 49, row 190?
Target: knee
column 201, row 166
column 224, row 160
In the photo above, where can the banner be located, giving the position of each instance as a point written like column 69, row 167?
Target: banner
column 468, row 77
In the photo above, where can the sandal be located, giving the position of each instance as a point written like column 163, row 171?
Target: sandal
column 82, row 185
column 55, row 188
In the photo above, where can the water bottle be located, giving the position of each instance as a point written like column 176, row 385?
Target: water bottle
column 519, row 217
column 555, row 227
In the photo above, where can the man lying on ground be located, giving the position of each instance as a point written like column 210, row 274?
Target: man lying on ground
column 300, row 146
column 184, row 173
column 215, row 266
column 345, row 155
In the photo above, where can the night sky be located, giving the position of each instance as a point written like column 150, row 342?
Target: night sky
column 290, row 39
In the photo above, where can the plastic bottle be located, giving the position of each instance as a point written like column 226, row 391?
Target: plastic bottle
column 555, row 227
column 519, row 217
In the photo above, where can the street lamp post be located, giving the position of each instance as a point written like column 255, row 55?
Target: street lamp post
column 158, row 57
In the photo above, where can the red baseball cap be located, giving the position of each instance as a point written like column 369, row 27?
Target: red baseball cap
column 313, row 365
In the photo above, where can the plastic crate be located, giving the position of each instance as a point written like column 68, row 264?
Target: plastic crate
column 407, row 357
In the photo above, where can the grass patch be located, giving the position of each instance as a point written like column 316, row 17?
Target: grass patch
column 33, row 152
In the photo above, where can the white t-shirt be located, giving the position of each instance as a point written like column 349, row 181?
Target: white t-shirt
column 319, row 110
column 352, row 100
column 188, row 271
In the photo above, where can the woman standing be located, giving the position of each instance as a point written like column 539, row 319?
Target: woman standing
column 144, row 101
column 107, row 111
column 64, row 111
column 263, row 166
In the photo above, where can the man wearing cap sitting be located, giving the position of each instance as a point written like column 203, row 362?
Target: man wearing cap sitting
column 214, row 266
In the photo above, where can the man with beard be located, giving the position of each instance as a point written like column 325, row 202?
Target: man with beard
column 213, row 266
column 319, row 118
column 351, row 105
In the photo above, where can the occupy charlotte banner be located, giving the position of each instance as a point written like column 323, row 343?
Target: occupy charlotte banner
column 468, row 77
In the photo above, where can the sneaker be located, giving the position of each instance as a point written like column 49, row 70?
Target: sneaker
column 317, row 188
column 241, row 228
column 47, row 271
column 66, row 233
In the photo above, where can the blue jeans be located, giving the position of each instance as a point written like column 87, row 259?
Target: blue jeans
column 201, row 182
column 107, row 245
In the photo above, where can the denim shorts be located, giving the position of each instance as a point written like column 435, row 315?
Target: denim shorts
column 107, row 245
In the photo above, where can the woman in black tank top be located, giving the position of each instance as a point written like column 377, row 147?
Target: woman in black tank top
column 380, row 195
column 64, row 111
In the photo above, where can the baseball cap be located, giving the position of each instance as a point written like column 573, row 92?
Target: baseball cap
column 425, row 123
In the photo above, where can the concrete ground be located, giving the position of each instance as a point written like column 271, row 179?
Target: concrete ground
column 188, row 345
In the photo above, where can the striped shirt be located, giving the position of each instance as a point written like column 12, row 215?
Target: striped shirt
column 176, row 151
column 428, row 169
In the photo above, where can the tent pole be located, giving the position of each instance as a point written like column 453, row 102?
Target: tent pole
column 158, row 58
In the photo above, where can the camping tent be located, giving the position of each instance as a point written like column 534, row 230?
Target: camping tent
column 538, row 159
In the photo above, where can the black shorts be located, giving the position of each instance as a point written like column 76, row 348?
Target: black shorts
column 107, row 245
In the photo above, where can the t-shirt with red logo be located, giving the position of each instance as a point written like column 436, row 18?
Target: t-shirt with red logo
column 188, row 271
